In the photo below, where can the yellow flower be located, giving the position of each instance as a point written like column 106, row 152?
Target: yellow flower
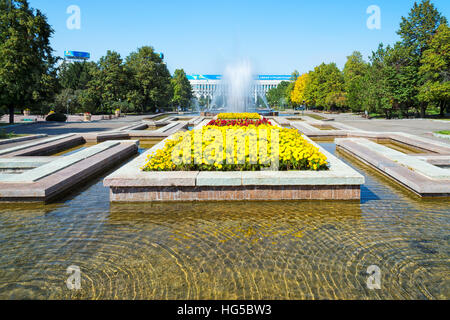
column 295, row 152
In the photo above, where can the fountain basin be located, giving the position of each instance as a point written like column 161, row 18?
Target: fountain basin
column 131, row 184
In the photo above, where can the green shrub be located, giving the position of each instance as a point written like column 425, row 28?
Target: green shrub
column 56, row 117
column 6, row 135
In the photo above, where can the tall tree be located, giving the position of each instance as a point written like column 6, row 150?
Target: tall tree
column 182, row 89
column 354, row 72
column 280, row 95
column 435, row 70
column 298, row 96
column 295, row 75
column 401, row 74
column 151, row 80
column 26, row 59
column 377, row 96
column 416, row 32
column 110, row 79
column 76, row 75
column 420, row 26
column 326, row 87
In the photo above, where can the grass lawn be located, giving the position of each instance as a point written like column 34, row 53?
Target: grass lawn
column 446, row 132
column 9, row 135
column 315, row 116
column 160, row 117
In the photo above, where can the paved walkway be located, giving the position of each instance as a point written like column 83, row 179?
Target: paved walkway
column 419, row 127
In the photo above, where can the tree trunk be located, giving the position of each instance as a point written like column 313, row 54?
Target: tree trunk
column 422, row 111
column 442, row 109
column 11, row 114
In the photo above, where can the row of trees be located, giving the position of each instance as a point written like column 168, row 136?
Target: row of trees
column 30, row 77
column 411, row 75
column 140, row 83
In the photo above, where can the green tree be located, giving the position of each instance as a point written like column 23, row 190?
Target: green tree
column 295, row 75
column 182, row 89
column 401, row 74
column 279, row 96
column 355, row 71
column 89, row 100
column 110, row 79
column 290, row 88
column 150, row 80
column 435, row 70
column 420, row 26
column 66, row 101
column 377, row 95
column 76, row 75
column 325, row 88
column 26, row 60
column 416, row 32
column 205, row 101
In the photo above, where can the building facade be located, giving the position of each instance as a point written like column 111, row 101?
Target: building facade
column 209, row 85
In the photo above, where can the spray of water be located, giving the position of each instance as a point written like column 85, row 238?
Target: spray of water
column 238, row 81
column 237, row 91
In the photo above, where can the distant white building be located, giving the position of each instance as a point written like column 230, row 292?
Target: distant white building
column 209, row 85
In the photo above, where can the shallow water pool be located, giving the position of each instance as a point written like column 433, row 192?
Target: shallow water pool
column 245, row 250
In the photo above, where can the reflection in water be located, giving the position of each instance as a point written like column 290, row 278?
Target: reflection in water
column 220, row 250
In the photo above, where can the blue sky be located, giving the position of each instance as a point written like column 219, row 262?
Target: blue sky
column 202, row 36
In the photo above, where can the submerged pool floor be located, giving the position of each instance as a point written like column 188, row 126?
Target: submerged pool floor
column 248, row 250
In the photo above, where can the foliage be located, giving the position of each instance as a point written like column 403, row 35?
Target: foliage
column 67, row 99
column 377, row 93
column 435, row 70
column 416, row 32
column 205, row 101
column 411, row 74
column 89, row 101
column 2, row 111
column 76, row 75
column 419, row 27
column 27, row 69
column 182, row 89
column 295, row 75
column 150, row 81
column 141, row 83
column 355, row 71
column 123, row 106
column 280, row 95
column 298, row 93
column 325, row 88
column 401, row 77
column 110, row 80
column 6, row 135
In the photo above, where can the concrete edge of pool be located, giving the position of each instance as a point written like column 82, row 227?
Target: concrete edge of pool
column 131, row 184
column 415, row 173
column 52, row 178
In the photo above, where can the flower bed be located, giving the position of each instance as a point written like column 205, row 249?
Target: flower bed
column 239, row 122
column 237, row 148
column 229, row 116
